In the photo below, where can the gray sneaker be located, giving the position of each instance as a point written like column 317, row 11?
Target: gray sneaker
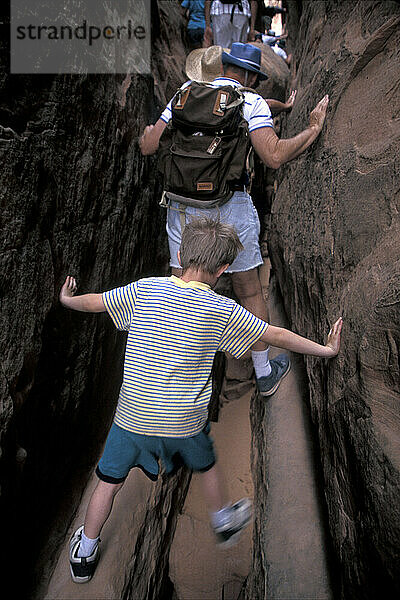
column 240, row 515
column 280, row 368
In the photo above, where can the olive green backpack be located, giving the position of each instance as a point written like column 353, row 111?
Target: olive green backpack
column 203, row 149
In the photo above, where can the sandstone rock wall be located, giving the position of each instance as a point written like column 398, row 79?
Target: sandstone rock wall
column 76, row 198
column 334, row 239
column 291, row 544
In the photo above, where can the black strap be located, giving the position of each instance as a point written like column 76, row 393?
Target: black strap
column 239, row 4
column 199, row 203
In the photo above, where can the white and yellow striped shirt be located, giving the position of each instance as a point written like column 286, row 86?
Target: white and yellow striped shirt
column 174, row 330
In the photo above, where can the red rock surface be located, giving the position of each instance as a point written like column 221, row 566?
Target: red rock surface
column 334, row 241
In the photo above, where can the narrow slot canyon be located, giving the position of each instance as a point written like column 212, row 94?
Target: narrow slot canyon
column 321, row 457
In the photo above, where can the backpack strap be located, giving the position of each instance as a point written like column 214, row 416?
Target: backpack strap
column 165, row 203
column 235, row 3
column 247, row 89
column 238, row 101
column 182, row 95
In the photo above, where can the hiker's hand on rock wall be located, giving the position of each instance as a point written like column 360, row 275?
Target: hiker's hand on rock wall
column 68, row 289
column 290, row 101
column 317, row 116
column 146, row 131
column 333, row 341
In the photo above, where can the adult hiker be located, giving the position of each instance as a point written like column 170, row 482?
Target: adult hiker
column 232, row 21
column 242, row 67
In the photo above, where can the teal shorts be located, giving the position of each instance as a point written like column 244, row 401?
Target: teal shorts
column 125, row 450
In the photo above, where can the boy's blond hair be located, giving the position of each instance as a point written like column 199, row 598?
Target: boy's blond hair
column 208, row 244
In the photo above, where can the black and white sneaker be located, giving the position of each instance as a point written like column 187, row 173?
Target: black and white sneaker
column 228, row 534
column 82, row 568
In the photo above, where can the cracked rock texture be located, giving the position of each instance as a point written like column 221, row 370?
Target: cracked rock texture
column 334, row 246
column 76, row 198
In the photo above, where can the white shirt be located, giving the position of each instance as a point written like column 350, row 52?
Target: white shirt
column 217, row 8
column 255, row 110
column 279, row 51
column 268, row 39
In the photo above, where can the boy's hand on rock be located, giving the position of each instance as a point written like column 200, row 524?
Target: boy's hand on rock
column 317, row 116
column 333, row 341
column 69, row 288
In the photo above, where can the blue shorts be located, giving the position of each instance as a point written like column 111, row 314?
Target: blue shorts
column 125, row 450
column 240, row 212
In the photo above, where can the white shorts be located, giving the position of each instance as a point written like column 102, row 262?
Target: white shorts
column 226, row 32
column 240, row 212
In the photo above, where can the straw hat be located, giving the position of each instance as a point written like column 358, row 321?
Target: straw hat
column 204, row 64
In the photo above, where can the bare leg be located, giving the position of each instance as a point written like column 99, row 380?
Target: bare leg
column 247, row 287
column 214, row 489
column 99, row 507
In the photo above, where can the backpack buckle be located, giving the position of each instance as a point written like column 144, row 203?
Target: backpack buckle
column 214, row 145
column 221, row 103
column 181, row 98
column 164, row 202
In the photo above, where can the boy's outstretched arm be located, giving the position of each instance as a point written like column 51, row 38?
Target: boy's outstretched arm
column 85, row 303
column 283, row 338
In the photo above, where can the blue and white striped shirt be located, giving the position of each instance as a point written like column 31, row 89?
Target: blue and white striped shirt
column 174, row 330
column 256, row 110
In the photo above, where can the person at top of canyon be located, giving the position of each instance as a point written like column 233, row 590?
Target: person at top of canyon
column 267, row 15
column 242, row 67
column 175, row 326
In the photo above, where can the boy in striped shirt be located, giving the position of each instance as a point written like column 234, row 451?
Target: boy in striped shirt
column 175, row 326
